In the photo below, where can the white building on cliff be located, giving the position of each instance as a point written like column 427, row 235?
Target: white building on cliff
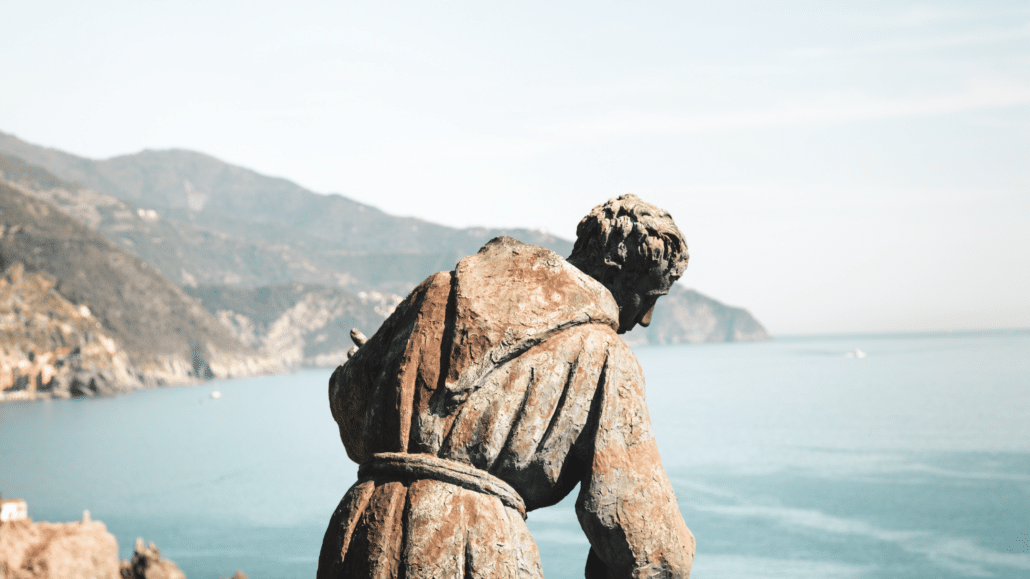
column 13, row 510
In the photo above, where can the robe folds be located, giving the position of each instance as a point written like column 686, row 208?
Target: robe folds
column 510, row 364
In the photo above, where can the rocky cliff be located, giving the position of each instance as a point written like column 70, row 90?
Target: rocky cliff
column 82, row 550
column 147, row 563
column 50, row 347
column 165, row 335
column 301, row 324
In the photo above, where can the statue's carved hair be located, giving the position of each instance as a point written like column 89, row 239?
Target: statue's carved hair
column 630, row 235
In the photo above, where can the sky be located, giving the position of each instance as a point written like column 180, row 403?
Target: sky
column 835, row 166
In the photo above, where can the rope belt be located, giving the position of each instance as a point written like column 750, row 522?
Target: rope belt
column 426, row 466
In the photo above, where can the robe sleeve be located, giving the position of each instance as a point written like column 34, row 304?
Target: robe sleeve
column 353, row 386
column 626, row 505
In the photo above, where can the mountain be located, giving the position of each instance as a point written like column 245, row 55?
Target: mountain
column 183, row 253
column 194, row 188
column 224, row 230
column 253, row 231
column 165, row 336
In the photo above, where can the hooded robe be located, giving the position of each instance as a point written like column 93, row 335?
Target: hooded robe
column 510, row 364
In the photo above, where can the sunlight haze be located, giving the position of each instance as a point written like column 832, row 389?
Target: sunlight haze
column 835, row 167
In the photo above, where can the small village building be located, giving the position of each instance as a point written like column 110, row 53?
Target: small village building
column 13, row 510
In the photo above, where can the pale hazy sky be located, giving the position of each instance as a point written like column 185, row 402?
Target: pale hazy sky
column 835, row 166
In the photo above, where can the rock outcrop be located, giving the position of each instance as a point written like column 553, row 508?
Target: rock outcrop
column 84, row 550
column 50, row 347
column 166, row 336
column 147, row 563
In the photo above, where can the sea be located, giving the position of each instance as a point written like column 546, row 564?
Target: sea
column 822, row 457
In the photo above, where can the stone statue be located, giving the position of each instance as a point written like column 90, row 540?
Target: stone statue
column 496, row 388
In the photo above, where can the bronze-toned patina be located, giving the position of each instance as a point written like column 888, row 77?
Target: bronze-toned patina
column 497, row 388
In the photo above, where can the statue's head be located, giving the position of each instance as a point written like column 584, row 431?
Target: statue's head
column 635, row 250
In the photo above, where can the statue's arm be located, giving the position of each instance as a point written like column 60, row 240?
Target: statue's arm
column 349, row 392
column 626, row 505
column 352, row 385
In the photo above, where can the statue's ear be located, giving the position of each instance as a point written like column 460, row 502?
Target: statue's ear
column 614, row 260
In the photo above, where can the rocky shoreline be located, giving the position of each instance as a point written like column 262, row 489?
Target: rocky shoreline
column 79, row 550
column 53, row 348
column 80, row 317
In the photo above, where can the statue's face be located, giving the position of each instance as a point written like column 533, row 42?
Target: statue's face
column 637, row 294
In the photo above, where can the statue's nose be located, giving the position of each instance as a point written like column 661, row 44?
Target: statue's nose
column 646, row 320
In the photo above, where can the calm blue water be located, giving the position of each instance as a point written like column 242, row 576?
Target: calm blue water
column 789, row 460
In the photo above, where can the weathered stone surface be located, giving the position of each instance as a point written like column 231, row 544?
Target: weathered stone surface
column 147, row 563
column 510, row 364
column 31, row 550
column 50, row 347
column 82, row 550
column 166, row 335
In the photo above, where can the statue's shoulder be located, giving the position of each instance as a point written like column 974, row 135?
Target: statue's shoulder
column 437, row 279
column 542, row 283
column 505, row 252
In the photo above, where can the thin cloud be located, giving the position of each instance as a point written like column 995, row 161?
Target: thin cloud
column 921, row 15
column 970, row 38
column 965, row 39
column 795, row 113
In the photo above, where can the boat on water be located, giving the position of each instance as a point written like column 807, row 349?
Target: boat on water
column 856, row 353
column 216, row 394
